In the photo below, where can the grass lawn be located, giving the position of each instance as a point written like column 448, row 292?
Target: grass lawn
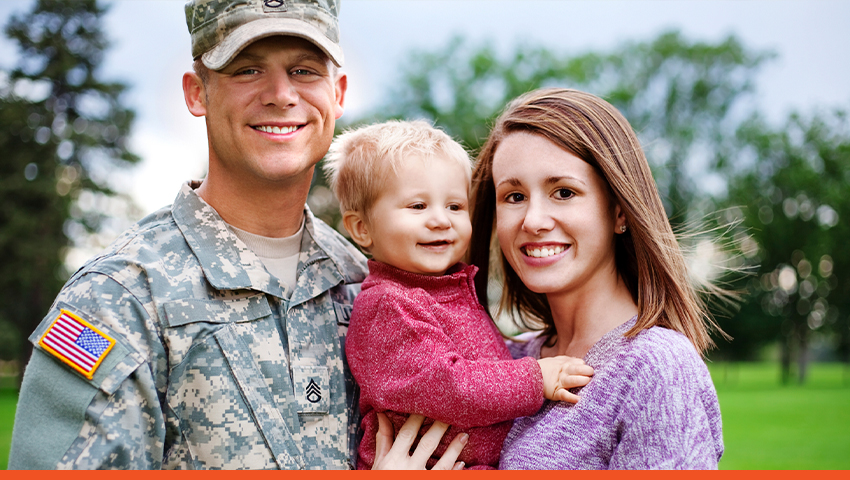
column 8, row 399
column 768, row 426
column 765, row 426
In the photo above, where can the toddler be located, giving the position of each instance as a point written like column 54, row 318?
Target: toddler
column 419, row 341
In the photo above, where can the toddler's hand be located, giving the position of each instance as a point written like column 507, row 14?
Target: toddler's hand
column 562, row 373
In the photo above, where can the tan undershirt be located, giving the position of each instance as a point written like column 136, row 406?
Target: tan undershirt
column 279, row 255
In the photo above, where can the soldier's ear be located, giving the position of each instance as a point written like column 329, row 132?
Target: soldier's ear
column 356, row 225
column 340, row 86
column 194, row 93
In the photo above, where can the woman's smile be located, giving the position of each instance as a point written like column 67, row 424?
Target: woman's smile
column 541, row 255
column 543, row 251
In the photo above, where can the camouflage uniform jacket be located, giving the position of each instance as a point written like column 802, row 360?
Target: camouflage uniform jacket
column 211, row 366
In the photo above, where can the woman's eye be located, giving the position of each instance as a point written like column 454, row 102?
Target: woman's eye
column 515, row 198
column 564, row 193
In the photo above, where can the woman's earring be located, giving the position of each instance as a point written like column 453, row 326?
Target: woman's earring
column 623, row 228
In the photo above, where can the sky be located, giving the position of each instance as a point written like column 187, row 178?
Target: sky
column 151, row 50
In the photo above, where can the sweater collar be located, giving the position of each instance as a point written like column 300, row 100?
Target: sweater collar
column 609, row 345
column 459, row 275
column 601, row 351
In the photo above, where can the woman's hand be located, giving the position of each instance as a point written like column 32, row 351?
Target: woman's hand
column 562, row 373
column 394, row 455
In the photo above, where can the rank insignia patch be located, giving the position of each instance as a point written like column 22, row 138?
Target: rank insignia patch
column 77, row 343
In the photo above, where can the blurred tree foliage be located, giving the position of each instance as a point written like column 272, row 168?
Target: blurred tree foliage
column 62, row 132
column 680, row 96
column 792, row 184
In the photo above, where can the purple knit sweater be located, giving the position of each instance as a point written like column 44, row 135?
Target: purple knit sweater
column 650, row 405
column 423, row 344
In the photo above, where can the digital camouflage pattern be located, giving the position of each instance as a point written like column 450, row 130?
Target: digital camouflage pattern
column 212, row 367
column 210, row 21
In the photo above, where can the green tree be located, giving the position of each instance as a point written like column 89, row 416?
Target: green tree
column 62, row 133
column 685, row 99
column 793, row 184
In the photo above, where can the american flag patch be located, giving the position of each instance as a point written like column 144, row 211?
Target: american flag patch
column 77, row 343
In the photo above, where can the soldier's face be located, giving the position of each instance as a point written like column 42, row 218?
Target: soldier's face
column 270, row 113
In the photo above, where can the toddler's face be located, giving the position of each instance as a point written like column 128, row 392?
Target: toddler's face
column 420, row 222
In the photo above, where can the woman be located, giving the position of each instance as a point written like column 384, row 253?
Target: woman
column 590, row 260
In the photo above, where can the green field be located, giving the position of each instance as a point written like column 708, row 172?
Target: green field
column 765, row 426
column 8, row 398
column 768, row 426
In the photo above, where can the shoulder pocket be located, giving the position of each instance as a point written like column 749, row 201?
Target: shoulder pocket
column 190, row 310
column 82, row 344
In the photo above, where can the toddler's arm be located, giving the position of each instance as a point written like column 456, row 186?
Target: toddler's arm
column 406, row 363
column 562, row 373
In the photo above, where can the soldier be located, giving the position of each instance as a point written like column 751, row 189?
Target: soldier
column 211, row 333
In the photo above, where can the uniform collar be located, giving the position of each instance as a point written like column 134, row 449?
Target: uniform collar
column 326, row 260
column 228, row 263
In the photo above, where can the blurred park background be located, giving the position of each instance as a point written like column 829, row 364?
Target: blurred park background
column 741, row 106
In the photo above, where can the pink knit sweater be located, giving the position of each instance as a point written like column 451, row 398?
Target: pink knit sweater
column 423, row 344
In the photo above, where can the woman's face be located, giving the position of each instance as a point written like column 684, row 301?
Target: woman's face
column 554, row 217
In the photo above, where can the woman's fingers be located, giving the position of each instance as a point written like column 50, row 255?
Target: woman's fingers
column 428, row 443
column 407, row 434
column 448, row 460
column 393, row 455
column 383, row 440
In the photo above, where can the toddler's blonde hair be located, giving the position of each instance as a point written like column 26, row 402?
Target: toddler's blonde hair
column 360, row 160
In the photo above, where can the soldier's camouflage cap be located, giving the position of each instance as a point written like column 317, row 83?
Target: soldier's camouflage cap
column 220, row 29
